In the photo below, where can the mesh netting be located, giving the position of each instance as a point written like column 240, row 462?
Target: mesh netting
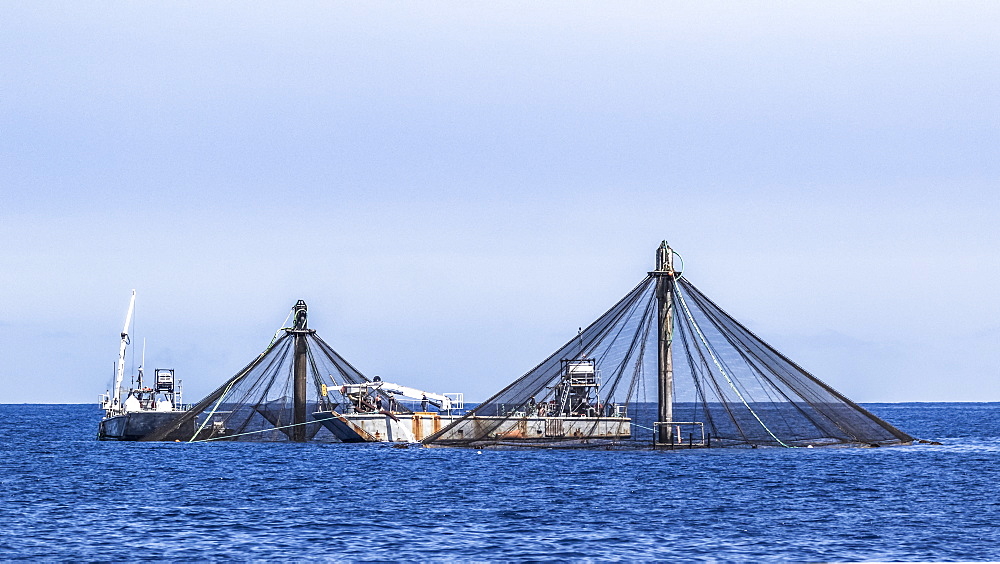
column 729, row 388
column 259, row 402
column 578, row 395
column 746, row 392
column 664, row 366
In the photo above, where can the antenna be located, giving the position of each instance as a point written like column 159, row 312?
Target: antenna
column 142, row 363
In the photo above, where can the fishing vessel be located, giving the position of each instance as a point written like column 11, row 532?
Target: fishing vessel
column 663, row 368
column 135, row 411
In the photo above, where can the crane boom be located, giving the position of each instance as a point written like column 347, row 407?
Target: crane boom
column 120, row 374
column 442, row 401
column 390, row 388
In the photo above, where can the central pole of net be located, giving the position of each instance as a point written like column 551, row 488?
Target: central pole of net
column 664, row 274
column 297, row 433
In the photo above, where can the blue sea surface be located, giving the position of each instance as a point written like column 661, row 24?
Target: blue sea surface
column 66, row 496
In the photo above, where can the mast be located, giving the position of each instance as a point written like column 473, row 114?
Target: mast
column 300, row 362
column 664, row 274
column 120, row 374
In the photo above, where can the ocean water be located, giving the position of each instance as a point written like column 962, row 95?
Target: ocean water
column 66, row 496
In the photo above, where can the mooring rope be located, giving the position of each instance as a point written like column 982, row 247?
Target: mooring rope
column 248, row 432
column 718, row 364
column 276, row 429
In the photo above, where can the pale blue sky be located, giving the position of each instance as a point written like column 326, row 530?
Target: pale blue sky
column 454, row 188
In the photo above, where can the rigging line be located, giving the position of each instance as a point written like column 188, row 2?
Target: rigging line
column 700, row 369
column 801, row 382
column 257, row 390
column 619, row 371
column 738, row 347
column 330, row 356
column 722, row 356
column 356, row 376
column 620, row 320
column 707, row 373
column 892, row 430
column 722, row 368
column 287, row 391
column 751, row 342
column 252, row 432
column 601, row 326
column 696, row 378
column 638, row 374
column 284, row 325
column 192, row 412
column 638, row 341
column 317, row 375
column 625, row 318
column 535, row 380
column 232, row 383
column 209, row 418
column 742, row 345
column 638, row 384
column 719, row 366
column 270, row 374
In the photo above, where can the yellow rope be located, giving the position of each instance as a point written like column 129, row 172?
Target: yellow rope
column 719, row 365
column 231, row 384
column 217, row 404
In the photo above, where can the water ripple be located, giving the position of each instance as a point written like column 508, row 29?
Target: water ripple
column 69, row 497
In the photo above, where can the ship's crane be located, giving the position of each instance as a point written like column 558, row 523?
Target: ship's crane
column 114, row 403
column 164, row 395
column 444, row 402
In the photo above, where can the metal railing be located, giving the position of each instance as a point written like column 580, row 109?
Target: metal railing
column 674, row 433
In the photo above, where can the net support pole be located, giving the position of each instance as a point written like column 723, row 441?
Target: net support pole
column 297, row 433
column 665, row 321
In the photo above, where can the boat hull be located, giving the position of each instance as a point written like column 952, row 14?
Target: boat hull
column 136, row 425
column 384, row 427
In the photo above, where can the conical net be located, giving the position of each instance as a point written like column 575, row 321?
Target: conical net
column 259, row 402
column 729, row 388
